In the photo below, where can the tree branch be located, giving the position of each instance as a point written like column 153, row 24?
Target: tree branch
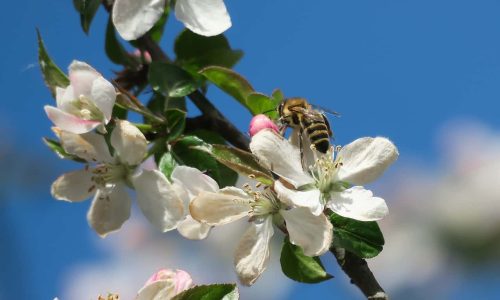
column 357, row 269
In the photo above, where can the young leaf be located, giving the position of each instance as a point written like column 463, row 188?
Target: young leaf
column 361, row 238
column 52, row 75
column 260, row 103
column 230, row 82
column 239, row 161
column 167, row 164
column 115, row 51
column 195, row 52
column 227, row 291
column 87, row 10
column 59, row 150
column 299, row 267
column 187, row 151
column 278, row 95
column 171, row 80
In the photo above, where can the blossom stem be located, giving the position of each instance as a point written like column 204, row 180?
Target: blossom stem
column 360, row 274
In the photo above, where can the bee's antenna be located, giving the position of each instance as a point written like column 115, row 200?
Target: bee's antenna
column 268, row 111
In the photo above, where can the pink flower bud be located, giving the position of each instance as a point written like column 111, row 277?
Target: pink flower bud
column 147, row 56
column 260, row 122
column 165, row 284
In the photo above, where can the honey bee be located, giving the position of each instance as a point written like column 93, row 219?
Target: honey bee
column 299, row 114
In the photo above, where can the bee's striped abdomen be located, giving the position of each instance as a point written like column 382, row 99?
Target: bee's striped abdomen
column 318, row 134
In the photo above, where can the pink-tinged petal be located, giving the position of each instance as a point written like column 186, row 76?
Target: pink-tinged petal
column 279, row 155
column 359, row 204
column 192, row 229
column 89, row 146
column 309, row 199
column 312, row 233
column 133, row 18
column 365, row 159
column 194, row 181
column 104, row 96
column 227, row 206
column 165, row 284
column 73, row 186
column 204, row 17
column 158, row 200
column 261, row 122
column 110, row 209
column 82, row 76
column 69, row 122
column 252, row 254
column 129, row 143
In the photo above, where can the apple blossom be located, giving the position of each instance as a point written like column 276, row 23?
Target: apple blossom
column 329, row 181
column 312, row 233
column 108, row 176
column 87, row 103
column 165, row 284
column 133, row 18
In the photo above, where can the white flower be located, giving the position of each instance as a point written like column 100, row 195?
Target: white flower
column 312, row 233
column 86, row 103
column 133, row 18
column 108, row 177
column 328, row 182
column 165, row 284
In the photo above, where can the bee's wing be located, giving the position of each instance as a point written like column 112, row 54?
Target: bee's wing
column 325, row 110
column 310, row 114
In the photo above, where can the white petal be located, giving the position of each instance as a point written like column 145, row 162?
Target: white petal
column 309, row 198
column 82, row 76
column 90, row 146
column 69, row 122
column 252, row 254
column 309, row 155
column 276, row 153
column 159, row 290
column 204, row 17
column 365, row 159
column 133, row 18
column 229, row 205
column 192, row 229
column 104, row 96
column 312, row 233
column 129, row 143
column 158, row 200
column 73, row 186
column 359, row 204
column 110, row 209
column 193, row 180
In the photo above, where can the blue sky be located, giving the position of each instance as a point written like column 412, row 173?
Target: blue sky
column 395, row 68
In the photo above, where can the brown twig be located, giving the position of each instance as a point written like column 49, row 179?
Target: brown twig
column 360, row 274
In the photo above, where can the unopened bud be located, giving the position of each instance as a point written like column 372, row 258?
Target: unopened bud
column 165, row 284
column 260, row 122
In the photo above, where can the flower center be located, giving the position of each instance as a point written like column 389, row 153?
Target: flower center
column 86, row 109
column 325, row 173
column 265, row 202
column 109, row 174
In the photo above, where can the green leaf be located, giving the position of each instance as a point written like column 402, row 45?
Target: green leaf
column 230, row 82
column 87, row 10
column 115, row 51
column 171, row 80
column 239, row 161
column 157, row 31
column 59, row 150
column 167, row 164
column 260, row 103
column 278, row 95
column 227, row 291
column 194, row 52
column 187, row 151
column 176, row 122
column 299, row 267
column 361, row 238
column 52, row 74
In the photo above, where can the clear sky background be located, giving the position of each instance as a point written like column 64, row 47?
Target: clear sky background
column 396, row 68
